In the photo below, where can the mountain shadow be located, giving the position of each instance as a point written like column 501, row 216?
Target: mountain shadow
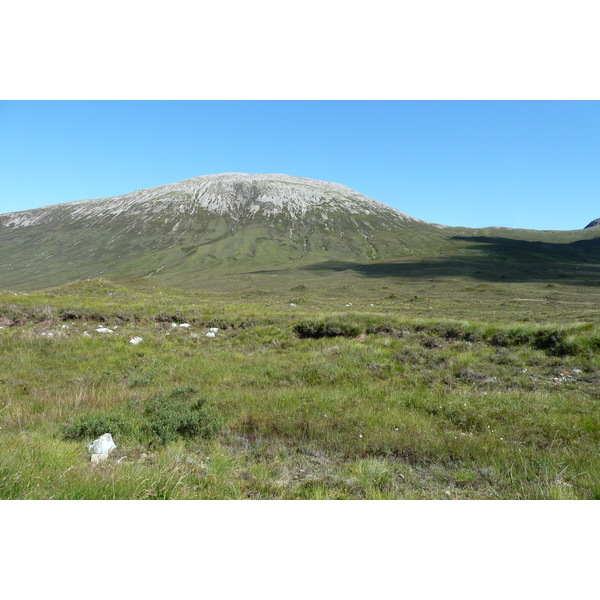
column 586, row 251
column 492, row 259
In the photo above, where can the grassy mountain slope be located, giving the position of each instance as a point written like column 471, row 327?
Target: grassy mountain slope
column 246, row 230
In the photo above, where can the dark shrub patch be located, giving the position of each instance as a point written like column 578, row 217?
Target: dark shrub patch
column 553, row 342
column 177, row 415
column 93, row 426
column 165, row 418
column 322, row 329
column 170, row 318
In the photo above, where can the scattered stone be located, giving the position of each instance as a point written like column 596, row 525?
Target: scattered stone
column 136, row 340
column 292, row 304
column 86, row 333
column 349, row 304
column 577, row 371
column 210, row 334
column 103, row 445
column 184, row 325
column 104, row 330
column 214, row 329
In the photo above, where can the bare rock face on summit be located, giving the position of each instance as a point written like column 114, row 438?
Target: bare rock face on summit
column 594, row 223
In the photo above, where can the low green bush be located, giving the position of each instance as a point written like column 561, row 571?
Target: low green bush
column 165, row 418
column 178, row 415
column 93, row 426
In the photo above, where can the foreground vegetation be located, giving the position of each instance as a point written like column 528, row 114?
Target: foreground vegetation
column 423, row 390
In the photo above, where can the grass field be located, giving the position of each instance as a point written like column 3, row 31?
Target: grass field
column 389, row 386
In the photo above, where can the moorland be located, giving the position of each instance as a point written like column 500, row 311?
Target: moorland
column 438, row 379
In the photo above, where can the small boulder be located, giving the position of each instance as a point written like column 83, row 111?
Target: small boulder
column 135, row 340
column 103, row 445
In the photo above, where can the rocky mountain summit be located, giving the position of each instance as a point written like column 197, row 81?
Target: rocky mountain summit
column 594, row 223
column 240, row 196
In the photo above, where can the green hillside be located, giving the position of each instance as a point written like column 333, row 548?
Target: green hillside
column 254, row 231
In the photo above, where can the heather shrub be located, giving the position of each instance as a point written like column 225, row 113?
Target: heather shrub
column 91, row 427
column 180, row 415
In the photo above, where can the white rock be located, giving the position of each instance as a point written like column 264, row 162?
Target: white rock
column 103, row 445
column 104, row 330
column 136, row 340
column 349, row 304
column 292, row 304
column 210, row 334
column 184, row 325
column 215, row 329
column 173, row 324
column 371, row 305
column 97, row 458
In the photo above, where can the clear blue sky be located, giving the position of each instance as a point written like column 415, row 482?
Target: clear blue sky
column 515, row 164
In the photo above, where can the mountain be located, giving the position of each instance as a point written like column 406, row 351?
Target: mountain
column 593, row 223
column 234, row 224
column 231, row 222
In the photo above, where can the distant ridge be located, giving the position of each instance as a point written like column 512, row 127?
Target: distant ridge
column 594, row 223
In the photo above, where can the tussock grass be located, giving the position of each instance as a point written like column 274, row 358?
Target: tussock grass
column 320, row 401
